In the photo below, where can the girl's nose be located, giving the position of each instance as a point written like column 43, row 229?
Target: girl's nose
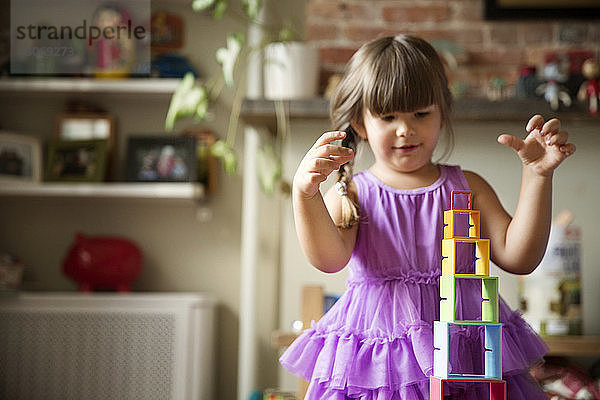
column 404, row 129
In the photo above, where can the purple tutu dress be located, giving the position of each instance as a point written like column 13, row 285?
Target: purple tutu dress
column 376, row 342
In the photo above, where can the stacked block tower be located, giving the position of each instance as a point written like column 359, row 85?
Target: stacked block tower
column 489, row 306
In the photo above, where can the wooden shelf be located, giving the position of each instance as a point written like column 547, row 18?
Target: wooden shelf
column 573, row 345
column 262, row 111
column 165, row 86
column 133, row 190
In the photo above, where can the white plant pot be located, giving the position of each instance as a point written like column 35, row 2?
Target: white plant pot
column 291, row 71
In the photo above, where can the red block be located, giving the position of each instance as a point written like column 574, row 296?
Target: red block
column 436, row 387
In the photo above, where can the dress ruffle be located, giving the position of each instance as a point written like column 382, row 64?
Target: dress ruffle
column 520, row 386
column 371, row 351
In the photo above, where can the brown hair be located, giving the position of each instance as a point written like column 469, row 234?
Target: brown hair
column 391, row 74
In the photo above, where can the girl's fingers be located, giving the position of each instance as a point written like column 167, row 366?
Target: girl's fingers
column 567, row 149
column 511, row 141
column 323, row 165
column 329, row 150
column 551, row 126
column 559, row 138
column 537, row 121
column 329, row 137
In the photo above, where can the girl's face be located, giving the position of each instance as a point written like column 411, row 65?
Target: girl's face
column 402, row 141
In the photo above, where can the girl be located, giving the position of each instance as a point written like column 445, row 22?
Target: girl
column 385, row 224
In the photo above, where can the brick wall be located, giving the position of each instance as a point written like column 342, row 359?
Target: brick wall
column 490, row 49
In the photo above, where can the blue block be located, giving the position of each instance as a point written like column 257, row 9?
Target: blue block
column 493, row 351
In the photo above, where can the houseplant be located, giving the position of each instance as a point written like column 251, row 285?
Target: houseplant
column 194, row 99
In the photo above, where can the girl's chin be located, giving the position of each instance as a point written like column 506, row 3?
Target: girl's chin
column 412, row 167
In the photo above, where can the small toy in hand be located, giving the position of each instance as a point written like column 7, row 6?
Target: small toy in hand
column 590, row 89
column 553, row 91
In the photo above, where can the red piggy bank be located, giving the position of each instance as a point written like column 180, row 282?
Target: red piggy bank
column 103, row 263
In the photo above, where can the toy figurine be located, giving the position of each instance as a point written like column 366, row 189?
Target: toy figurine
column 113, row 56
column 553, row 91
column 590, row 89
column 528, row 82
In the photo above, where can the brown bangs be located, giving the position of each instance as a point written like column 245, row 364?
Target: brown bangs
column 403, row 80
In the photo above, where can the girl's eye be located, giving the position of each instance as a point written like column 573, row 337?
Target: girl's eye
column 387, row 117
column 422, row 114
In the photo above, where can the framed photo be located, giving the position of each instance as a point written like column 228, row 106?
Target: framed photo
column 535, row 9
column 166, row 31
column 89, row 126
column 20, row 157
column 76, row 161
column 207, row 170
column 86, row 126
column 161, row 159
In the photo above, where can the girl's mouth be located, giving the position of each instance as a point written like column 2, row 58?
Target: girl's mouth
column 406, row 148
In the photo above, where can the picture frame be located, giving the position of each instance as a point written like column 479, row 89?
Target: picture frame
column 167, row 32
column 207, row 171
column 86, row 126
column 76, row 161
column 536, row 9
column 89, row 126
column 20, row 158
column 161, row 158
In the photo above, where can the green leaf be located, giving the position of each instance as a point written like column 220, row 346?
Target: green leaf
column 202, row 108
column 227, row 57
column 220, row 8
column 269, row 168
column 252, row 7
column 186, row 101
column 200, row 5
column 224, row 152
column 286, row 35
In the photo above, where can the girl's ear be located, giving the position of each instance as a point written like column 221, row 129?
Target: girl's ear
column 360, row 130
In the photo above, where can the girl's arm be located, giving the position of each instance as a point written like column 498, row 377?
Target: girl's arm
column 326, row 247
column 518, row 243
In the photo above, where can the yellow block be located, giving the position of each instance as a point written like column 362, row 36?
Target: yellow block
column 482, row 255
column 474, row 223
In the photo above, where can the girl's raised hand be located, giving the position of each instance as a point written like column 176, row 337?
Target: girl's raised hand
column 545, row 146
column 321, row 160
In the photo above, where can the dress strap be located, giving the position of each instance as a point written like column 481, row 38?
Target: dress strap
column 456, row 176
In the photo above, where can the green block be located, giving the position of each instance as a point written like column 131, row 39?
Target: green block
column 489, row 295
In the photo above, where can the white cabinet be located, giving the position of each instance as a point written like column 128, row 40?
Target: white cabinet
column 105, row 345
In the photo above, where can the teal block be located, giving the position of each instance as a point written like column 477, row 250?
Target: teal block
column 492, row 349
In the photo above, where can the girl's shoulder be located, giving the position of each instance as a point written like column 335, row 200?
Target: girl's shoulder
column 474, row 180
column 482, row 190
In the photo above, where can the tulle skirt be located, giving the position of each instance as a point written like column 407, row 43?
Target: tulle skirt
column 376, row 343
